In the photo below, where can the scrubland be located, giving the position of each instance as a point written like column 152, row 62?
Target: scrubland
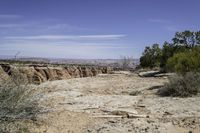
column 118, row 102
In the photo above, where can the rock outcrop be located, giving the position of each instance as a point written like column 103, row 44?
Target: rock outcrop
column 40, row 73
column 149, row 73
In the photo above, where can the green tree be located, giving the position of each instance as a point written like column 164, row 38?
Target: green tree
column 197, row 37
column 182, row 41
column 151, row 56
column 167, row 52
column 186, row 38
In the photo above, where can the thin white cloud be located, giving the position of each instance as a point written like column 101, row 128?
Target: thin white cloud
column 41, row 27
column 66, row 50
column 68, row 37
column 9, row 16
column 11, row 25
column 60, row 26
column 158, row 20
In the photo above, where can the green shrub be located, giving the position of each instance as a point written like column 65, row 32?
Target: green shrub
column 182, row 86
column 168, row 50
column 188, row 61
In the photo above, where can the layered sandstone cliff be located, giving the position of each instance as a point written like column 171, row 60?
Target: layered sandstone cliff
column 40, row 73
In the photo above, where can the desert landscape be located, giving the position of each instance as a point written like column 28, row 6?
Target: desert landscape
column 99, row 66
column 101, row 101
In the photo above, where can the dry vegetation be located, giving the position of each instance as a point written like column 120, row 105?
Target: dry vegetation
column 16, row 102
column 182, row 85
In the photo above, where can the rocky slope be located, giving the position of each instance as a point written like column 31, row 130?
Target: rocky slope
column 40, row 73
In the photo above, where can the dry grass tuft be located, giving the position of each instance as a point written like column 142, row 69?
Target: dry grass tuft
column 16, row 99
column 182, row 85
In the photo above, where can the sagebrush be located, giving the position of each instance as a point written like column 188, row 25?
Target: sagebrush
column 16, row 99
column 182, row 85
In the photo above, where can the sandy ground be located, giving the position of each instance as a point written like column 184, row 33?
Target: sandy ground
column 103, row 104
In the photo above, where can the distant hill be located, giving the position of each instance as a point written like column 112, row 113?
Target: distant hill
column 100, row 62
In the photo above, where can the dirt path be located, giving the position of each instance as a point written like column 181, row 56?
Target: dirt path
column 104, row 104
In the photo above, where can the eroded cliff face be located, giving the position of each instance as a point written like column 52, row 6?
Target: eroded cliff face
column 40, row 73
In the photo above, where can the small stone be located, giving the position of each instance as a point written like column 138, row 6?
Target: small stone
column 129, row 130
column 111, row 121
column 150, row 121
column 89, row 131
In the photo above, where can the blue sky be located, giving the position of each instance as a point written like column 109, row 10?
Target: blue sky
column 91, row 28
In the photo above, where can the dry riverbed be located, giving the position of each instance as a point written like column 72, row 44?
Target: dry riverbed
column 113, row 103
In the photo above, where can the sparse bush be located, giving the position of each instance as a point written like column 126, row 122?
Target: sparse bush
column 127, row 63
column 16, row 101
column 182, row 85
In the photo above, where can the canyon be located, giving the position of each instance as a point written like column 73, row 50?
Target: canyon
column 39, row 73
